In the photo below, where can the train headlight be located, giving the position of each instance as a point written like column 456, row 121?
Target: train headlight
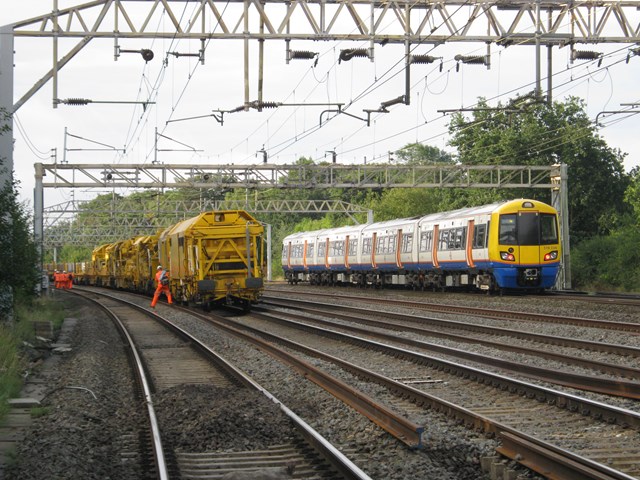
column 507, row 257
column 551, row 256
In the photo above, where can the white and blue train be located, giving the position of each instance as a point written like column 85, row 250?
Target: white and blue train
column 513, row 244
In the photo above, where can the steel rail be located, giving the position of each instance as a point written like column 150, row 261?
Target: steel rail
column 454, row 324
column 578, row 467
column 156, row 438
column 620, row 416
column 486, row 312
column 406, row 431
column 345, row 466
column 607, row 386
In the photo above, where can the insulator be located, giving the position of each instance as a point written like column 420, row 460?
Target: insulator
column 423, row 59
column 474, row 59
column 346, row 55
column 585, row 55
column 395, row 101
column 268, row 104
column 77, row 101
column 302, row 54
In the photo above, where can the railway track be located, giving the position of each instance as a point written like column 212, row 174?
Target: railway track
column 180, row 375
column 631, row 327
column 489, row 403
column 535, row 344
column 524, row 416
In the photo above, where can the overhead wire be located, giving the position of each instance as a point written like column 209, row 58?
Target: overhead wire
column 23, row 133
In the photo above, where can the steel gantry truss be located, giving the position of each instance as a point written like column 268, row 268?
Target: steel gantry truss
column 265, row 176
column 406, row 22
column 120, row 221
column 424, row 21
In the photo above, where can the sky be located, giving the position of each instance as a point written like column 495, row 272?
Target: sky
column 184, row 88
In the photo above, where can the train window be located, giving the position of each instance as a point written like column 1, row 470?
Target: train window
column 321, row 249
column 353, row 247
column 459, row 242
column 479, row 234
column 336, row 249
column 366, row 245
column 391, row 244
column 310, row 250
column 285, row 251
column 507, row 229
column 407, row 243
column 381, row 246
column 548, row 229
column 528, row 229
column 444, row 240
column 426, row 240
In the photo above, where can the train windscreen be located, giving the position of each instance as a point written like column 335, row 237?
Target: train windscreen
column 528, row 229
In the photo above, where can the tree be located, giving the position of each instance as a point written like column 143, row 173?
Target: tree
column 542, row 134
column 18, row 254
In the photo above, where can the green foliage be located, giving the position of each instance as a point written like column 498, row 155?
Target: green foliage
column 18, row 254
column 10, row 368
column 542, row 134
column 608, row 263
column 37, row 412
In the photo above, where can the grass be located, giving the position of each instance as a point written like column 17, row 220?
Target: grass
column 36, row 412
column 12, row 336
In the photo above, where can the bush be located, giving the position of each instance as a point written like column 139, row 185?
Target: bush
column 610, row 263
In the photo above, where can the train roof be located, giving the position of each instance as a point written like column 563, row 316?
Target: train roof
column 210, row 219
column 495, row 207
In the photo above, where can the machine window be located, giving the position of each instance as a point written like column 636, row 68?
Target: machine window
column 407, row 242
column 353, row 247
column 425, row 241
column 507, row 230
column 548, row 229
column 366, row 245
column 528, row 229
column 479, row 235
column 336, row 249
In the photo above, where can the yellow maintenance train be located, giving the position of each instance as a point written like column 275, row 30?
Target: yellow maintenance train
column 215, row 258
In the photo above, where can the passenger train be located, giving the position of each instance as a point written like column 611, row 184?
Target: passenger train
column 509, row 245
column 215, row 258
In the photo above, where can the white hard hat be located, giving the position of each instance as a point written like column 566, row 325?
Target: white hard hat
column 159, row 267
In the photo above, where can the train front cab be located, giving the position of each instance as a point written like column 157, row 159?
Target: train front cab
column 525, row 249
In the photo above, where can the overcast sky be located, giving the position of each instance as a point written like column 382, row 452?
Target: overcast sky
column 183, row 88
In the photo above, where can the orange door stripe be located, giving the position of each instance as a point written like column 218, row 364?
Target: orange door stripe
column 434, row 250
column 398, row 249
column 470, row 226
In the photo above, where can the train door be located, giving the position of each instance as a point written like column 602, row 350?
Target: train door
column 435, row 245
column 470, row 244
column 304, row 255
column 346, row 253
column 519, row 237
column 529, row 237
